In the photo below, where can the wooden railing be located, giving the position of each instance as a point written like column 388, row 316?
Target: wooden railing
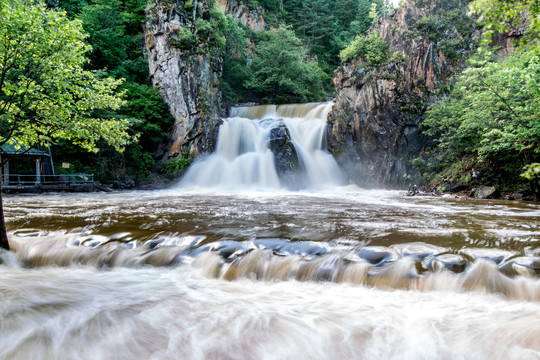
column 33, row 180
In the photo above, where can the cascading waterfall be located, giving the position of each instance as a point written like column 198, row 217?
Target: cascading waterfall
column 245, row 158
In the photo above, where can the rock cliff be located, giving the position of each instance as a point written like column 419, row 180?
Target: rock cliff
column 186, row 69
column 253, row 18
column 374, row 129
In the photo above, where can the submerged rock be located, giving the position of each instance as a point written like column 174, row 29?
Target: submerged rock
column 453, row 262
column 268, row 244
column 377, row 255
column 304, row 248
column 524, row 266
column 418, row 250
column 496, row 255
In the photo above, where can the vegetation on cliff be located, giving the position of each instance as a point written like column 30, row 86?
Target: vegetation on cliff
column 487, row 130
column 295, row 61
column 491, row 118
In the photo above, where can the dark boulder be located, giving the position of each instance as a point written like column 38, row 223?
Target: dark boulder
column 286, row 160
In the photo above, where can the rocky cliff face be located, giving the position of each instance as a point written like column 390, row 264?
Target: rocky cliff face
column 186, row 70
column 252, row 18
column 375, row 126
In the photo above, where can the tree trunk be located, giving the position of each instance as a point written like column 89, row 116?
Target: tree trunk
column 4, row 243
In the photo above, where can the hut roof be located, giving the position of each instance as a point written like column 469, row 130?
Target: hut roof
column 17, row 149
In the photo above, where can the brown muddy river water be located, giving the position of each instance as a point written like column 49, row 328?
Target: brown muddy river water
column 343, row 273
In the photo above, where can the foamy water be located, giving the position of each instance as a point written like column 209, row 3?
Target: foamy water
column 340, row 274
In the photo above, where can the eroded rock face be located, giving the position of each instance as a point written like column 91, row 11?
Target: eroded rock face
column 252, row 18
column 374, row 127
column 186, row 74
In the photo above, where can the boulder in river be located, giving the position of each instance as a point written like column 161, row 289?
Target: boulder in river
column 486, row 192
column 377, row 255
column 285, row 157
column 452, row 262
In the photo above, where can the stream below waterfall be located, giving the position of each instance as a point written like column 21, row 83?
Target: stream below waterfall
column 343, row 273
column 232, row 264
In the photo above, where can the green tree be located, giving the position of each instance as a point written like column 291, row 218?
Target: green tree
column 501, row 15
column 493, row 113
column 281, row 72
column 45, row 93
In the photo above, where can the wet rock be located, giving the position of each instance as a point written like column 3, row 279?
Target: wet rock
column 377, row 255
column 123, row 182
column 449, row 196
column 286, row 160
column 227, row 249
column 374, row 127
column 524, row 266
column 486, row 192
column 304, row 248
column 268, row 244
column 154, row 243
column 454, row 187
column 413, row 190
column 230, row 249
column 418, row 251
column 515, row 196
column 496, row 255
column 453, row 262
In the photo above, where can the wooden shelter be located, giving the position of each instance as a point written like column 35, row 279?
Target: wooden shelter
column 32, row 170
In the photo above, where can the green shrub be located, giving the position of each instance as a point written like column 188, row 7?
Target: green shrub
column 449, row 49
column 188, row 6
column 370, row 48
column 204, row 28
column 173, row 167
column 184, row 40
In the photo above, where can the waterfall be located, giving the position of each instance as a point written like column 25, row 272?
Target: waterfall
column 269, row 147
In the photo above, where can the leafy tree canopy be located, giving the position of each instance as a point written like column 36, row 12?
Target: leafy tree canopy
column 501, row 15
column 45, row 93
column 281, row 72
column 493, row 112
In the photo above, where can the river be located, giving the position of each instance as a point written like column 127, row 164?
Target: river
column 340, row 273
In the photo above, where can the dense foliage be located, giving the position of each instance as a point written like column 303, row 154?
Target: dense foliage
column 492, row 116
column 280, row 72
column 487, row 130
column 503, row 15
column 315, row 31
column 115, row 37
column 371, row 48
column 45, row 93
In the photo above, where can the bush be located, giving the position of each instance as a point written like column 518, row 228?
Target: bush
column 371, row 48
column 492, row 114
column 173, row 167
column 184, row 40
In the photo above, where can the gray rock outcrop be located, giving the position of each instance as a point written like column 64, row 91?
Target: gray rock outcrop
column 253, row 18
column 375, row 125
column 186, row 72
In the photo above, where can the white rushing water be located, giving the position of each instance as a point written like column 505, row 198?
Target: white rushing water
column 341, row 274
column 176, row 313
column 243, row 158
